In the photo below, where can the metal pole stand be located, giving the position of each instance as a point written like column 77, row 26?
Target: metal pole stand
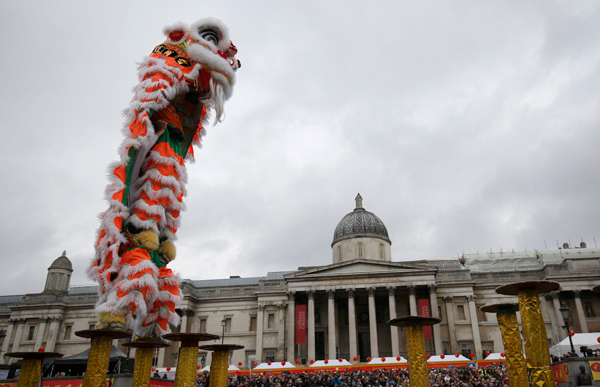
column 144, row 353
column 185, row 376
column 99, row 356
column 220, row 362
column 415, row 344
column 534, row 330
column 31, row 368
column 511, row 338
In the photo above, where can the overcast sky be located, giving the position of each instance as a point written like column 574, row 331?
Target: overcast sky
column 465, row 125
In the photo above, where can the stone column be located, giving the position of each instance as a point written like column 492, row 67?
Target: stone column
column 544, row 299
column 259, row 333
column 18, row 335
column 160, row 361
column 311, row 325
column 393, row 328
column 291, row 327
column 412, row 296
column 352, row 325
column 281, row 332
column 40, row 333
column 185, row 314
column 451, row 326
column 53, row 334
column 433, row 305
column 562, row 334
column 580, row 311
column 331, row 323
column 373, row 324
column 8, row 338
column 475, row 326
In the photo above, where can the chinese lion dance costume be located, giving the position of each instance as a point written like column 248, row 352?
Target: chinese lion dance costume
column 189, row 75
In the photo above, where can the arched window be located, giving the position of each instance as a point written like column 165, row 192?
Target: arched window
column 360, row 250
column 339, row 254
column 381, row 252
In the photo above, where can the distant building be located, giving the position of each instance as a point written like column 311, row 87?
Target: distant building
column 346, row 304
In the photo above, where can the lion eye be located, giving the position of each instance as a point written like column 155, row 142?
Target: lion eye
column 209, row 35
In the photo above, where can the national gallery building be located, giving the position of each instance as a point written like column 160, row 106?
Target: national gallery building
column 333, row 311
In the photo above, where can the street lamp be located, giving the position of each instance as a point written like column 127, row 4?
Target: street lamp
column 223, row 323
column 564, row 310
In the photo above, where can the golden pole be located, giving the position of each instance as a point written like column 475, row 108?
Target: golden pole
column 142, row 367
column 144, row 353
column 98, row 359
column 220, row 362
column 511, row 338
column 185, row 376
column 218, row 369
column 31, row 368
column 534, row 329
column 99, row 355
column 536, row 340
column 415, row 344
column 417, row 362
column 30, row 373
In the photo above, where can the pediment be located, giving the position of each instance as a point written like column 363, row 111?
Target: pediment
column 362, row 267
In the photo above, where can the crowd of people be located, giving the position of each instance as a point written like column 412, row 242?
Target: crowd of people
column 493, row 375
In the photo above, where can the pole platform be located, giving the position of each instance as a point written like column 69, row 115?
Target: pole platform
column 31, row 368
column 99, row 355
column 534, row 328
column 219, row 364
column 144, row 353
column 415, row 344
column 185, row 376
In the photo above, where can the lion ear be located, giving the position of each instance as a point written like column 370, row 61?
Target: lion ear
column 176, row 33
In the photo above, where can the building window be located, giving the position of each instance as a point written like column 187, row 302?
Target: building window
column 228, row 324
column 589, row 312
column 203, row 325
column 460, row 309
column 360, row 250
column 68, row 332
column 445, row 348
column 339, row 253
column 253, row 324
column 92, row 327
column 465, row 350
column 31, row 332
column 271, row 321
column 270, row 356
column 381, row 252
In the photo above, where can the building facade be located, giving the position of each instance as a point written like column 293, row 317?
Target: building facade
column 347, row 302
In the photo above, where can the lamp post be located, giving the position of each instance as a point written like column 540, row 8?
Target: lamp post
column 223, row 323
column 564, row 310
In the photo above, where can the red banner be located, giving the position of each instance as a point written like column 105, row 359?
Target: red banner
column 300, row 324
column 561, row 373
column 424, row 312
column 79, row 383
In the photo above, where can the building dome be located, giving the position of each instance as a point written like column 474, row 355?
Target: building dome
column 62, row 262
column 360, row 223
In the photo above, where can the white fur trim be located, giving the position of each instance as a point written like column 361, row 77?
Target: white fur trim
column 174, row 27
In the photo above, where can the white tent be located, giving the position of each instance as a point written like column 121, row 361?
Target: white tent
column 275, row 365
column 230, row 368
column 331, row 363
column 579, row 339
column 495, row 356
column 447, row 358
column 388, row 360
